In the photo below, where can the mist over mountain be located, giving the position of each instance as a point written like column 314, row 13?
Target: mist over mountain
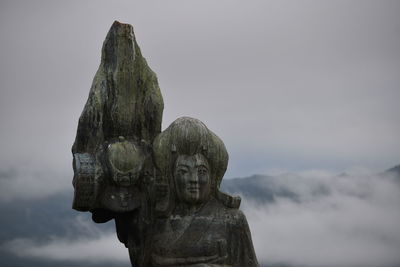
column 318, row 218
column 394, row 171
column 266, row 188
column 258, row 188
column 296, row 219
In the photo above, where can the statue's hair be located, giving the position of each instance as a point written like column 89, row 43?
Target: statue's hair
column 189, row 136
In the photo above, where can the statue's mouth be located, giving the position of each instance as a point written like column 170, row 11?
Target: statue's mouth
column 193, row 189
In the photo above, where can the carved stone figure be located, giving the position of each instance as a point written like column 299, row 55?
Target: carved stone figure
column 113, row 169
column 202, row 225
column 162, row 189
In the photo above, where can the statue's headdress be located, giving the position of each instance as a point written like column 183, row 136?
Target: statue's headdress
column 188, row 136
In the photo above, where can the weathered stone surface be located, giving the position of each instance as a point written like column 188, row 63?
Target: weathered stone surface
column 188, row 136
column 162, row 189
column 202, row 226
column 124, row 100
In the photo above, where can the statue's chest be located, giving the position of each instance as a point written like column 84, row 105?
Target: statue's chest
column 198, row 238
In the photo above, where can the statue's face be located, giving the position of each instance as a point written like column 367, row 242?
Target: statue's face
column 192, row 179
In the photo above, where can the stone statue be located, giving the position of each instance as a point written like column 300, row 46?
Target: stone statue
column 161, row 188
column 202, row 226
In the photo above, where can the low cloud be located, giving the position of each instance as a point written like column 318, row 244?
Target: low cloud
column 104, row 248
column 28, row 182
column 92, row 246
column 347, row 220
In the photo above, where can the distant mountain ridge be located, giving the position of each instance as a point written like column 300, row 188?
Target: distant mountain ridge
column 260, row 188
column 394, row 170
column 266, row 188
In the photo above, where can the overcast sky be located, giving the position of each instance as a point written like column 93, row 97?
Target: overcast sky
column 288, row 85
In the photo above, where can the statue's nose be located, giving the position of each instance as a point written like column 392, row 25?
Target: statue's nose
column 194, row 177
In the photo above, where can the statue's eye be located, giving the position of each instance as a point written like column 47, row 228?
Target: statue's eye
column 182, row 171
column 202, row 171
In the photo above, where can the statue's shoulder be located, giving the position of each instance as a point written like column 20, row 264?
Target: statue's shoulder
column 228, row 200
column 238, row 217
column 230, row 215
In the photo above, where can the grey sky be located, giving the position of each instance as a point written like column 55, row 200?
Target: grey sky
column 288, row 85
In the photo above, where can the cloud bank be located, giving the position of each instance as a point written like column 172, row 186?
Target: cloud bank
column 91, row 245
column 27, row 182
column 104, row 248
column 350, row 220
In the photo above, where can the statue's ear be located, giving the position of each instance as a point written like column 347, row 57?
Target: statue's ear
column 228, row 200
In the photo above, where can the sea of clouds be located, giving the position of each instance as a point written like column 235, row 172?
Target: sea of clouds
column 346, row 220
column 328, row 220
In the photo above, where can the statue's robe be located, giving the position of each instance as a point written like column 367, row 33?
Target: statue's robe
column 214, row 236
